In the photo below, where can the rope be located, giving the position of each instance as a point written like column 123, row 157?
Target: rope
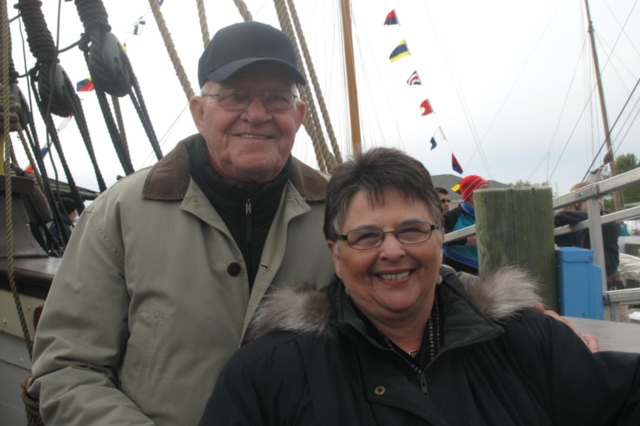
column 38, row 36
column 6, row 107
column 27, row 126
column 48, row 72
column 312, row 125
column 171, row 49
column 309, row 124
column 119, row 81
column 203, row 23
column 44, row 179
column 81, row 122
column 32, row 406
column 138, row 102
column 40, row 173
column 51, row 129
column 316, row 85
column 243, row 9
column 32, row 160
column 118, row 144
column 118, row 111
column 44, row 50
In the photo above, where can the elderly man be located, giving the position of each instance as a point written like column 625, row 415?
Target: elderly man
column 166, row 268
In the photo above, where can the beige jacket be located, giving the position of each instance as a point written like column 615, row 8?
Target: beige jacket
column 145, row 309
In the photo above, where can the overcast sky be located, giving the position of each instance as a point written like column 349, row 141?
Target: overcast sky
column 511, row 82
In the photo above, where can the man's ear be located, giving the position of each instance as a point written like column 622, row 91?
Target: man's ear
column 301, row 107
column 335, row 255
column 196, row 105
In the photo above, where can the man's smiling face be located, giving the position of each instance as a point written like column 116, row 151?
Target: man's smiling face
column 253, row 144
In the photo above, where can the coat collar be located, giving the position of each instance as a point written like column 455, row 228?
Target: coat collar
column 169, row 179
column 471, row 310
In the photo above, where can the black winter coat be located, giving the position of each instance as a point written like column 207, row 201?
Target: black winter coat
column 502, row 366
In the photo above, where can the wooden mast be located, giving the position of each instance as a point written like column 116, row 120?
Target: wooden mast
column 605, row 121
column 352, row 90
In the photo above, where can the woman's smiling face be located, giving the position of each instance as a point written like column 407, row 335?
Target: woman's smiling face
column 395, row 281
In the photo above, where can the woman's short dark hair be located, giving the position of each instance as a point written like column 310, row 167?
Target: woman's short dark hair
column 374, row 172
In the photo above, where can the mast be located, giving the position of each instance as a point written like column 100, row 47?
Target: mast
column 352, row 90
column 605, row 121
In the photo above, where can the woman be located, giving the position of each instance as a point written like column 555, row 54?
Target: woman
column 396, row 340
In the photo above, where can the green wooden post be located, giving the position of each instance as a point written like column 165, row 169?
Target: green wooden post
column 515, row 228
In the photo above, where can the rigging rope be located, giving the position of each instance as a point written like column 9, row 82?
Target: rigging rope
column 112, row 73
column 310, row 123
column 6, row 139
column 171, row 49
column 612, row 127
column 203, row 23
column 118, row 111
column 51, row 129
column 49, row 71
column 314, row 78
column 243, row 9
column 326, row 162
column 310, row 126
column 55, row 86
column 27, row 126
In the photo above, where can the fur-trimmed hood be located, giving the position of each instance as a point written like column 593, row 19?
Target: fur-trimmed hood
column 303, row 309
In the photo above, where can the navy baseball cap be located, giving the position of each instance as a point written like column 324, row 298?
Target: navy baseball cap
column 237, row 46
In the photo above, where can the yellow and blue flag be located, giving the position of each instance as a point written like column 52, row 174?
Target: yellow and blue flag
column 400, row 52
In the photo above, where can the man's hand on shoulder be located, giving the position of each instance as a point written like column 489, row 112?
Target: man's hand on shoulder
column 589, row 339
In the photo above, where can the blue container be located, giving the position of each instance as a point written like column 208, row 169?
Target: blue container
column 579, row 283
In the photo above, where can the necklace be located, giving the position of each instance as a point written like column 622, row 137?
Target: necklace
column 430, row 340
column 414, row 351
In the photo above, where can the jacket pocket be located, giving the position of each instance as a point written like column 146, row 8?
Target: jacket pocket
column 141, row 347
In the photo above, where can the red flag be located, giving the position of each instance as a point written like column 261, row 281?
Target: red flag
column 85, row 85
column 426, row 106
column 391, row 18
column 454, row 163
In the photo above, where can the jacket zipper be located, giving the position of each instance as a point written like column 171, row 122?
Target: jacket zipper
column 422, row 376
column 423, row 382
column 247, row 213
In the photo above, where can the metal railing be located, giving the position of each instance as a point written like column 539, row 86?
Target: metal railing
column 591, row 195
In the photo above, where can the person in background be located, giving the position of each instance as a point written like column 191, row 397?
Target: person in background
column 396, row 339
column 462, row 255
column 68, row 216
column 167, row 267
column 443, row 194
column 577, row 213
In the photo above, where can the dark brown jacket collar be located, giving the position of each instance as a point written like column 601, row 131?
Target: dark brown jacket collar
column 169, row 179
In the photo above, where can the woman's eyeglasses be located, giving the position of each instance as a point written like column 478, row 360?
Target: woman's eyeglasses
column 370, row 237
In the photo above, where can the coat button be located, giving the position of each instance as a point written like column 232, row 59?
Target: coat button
column 234, row 269
column 380, row 390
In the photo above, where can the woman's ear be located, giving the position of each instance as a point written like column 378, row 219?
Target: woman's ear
column 335, row 255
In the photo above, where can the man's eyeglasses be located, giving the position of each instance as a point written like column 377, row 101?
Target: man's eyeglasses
column 370, row 237
column 237, row 99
